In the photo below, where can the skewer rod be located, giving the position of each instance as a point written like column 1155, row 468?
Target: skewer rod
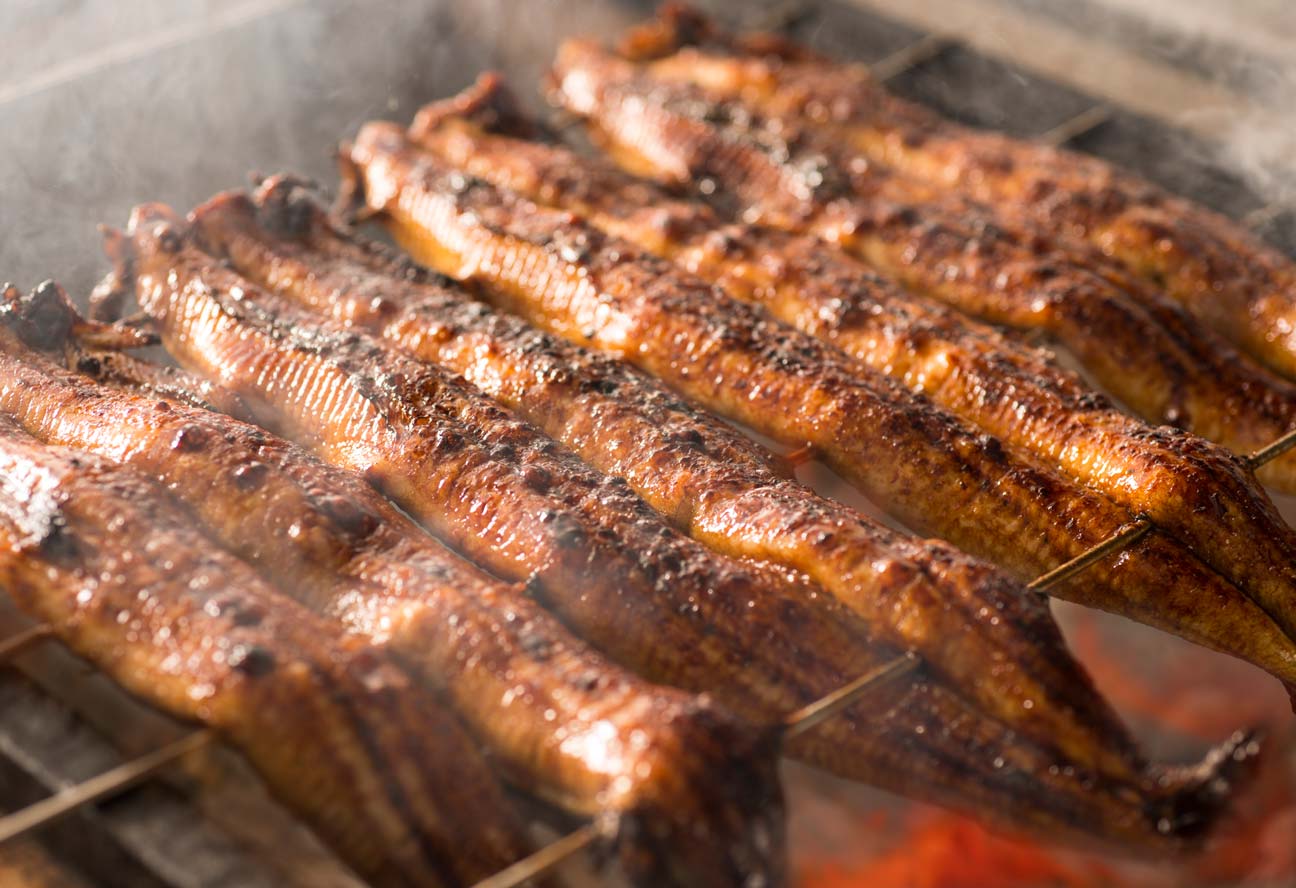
column 1114, row 543
column 914, row 54
column 826, row 707
column 16, row 644
column 543, row 860
column 107, row 784
column 1270, row 452
column 1076, row 126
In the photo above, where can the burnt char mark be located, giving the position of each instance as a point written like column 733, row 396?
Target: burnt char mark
column 51, row 537
column 43, row 319
column 651, row 296
column 1004, row 267
column 253, row 683
column 444, row 427
column 557, row 369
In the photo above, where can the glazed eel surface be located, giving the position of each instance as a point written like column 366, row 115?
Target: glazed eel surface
column 372, row 762
column 761, row 641
column 705, row 478
column 1137, row 342
column 909, row 456
column 1219, row 271
column 692, row 793
column 1199, row 492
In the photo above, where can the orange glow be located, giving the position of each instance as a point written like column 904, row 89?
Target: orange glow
column 1179, row 696
column 948, row 851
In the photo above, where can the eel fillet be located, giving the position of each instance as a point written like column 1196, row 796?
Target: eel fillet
column 1199, row 492
column 910, row 457
column 1137, row 342
column 707, row 479
column 1222, row 273
column 691, row 794
column 763, row 642
column 375, row 764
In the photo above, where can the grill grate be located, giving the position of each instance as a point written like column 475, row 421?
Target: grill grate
column 940, row 72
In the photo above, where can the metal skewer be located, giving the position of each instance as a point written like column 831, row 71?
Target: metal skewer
column 923, row 50
column 1121, row 539
column 826, row 707
column 797, row 723
column 107, row 784
column 1077, row 126
column 1272, row 451
column 16, row 644
column 542, row 861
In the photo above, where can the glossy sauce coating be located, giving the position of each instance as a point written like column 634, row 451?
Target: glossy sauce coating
column 707, row 479
column 1195, row 490
column 911, row 457
column 674, row 778
column 523, row 507
column 763, row 166
column 370, row 760
column 1222, row 273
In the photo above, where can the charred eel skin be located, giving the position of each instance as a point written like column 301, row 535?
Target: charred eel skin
column 596, row 553
column 910, row 457
column 1138, row 343
column 1201, row 493
column 1222, row 273
column 691, row 797
column 377, row 767
column 708, row 480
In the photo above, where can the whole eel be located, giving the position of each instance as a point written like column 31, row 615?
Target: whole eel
column 1137, row 342
column 690, row 795
column 707, row 479
column 910, row 457
column 762, row 642
column 1221, row 272
column 1199, row 492
column 371, row 761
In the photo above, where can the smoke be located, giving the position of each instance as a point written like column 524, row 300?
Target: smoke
column 105, row 105
column 1258, row 137
column 1247, row 47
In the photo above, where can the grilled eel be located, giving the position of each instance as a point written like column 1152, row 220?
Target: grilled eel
column 692, row 794
column 1220, row 272
column 1201, row 493
column 728, row 355
column 707, row 479
column 1137, row 342
column 372, row 762
column 590, row 549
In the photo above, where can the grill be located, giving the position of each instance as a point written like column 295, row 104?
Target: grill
column 129, row 797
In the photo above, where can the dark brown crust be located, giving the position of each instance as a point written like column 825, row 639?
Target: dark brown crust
column 1218, row 270
column 369, row 760
column 705, row 478
column 561, row 274
column 688, row 778
column 1000, row 266
column 1195, row 490
column 128, row 372
column 599, row 555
